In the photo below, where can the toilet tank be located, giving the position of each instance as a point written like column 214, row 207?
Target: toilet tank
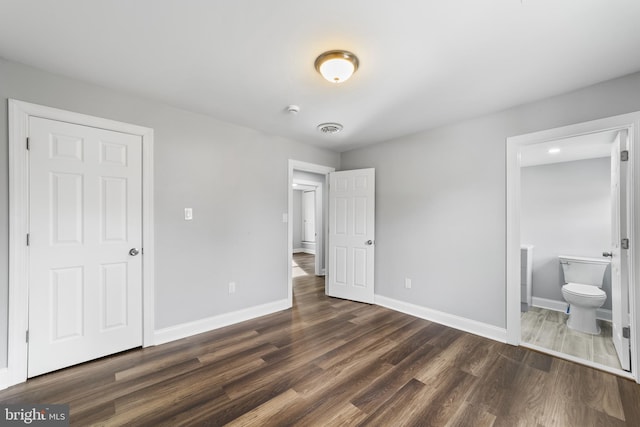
column 588, row 271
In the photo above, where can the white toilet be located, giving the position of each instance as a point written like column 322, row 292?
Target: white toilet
column 582, row 290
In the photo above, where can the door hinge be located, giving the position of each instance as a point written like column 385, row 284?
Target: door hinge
column 624, row 243
column 28, row 143
column 626, row 332
column 28, row 239
column 624, row 155
column 27, row 336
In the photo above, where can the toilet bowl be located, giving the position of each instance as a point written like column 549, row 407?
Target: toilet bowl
column 584, row 300
column 583, row 279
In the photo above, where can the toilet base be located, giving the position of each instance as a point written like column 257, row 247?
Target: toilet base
column 583, row 319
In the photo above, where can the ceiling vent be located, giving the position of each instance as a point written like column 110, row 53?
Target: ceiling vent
column 330, row 128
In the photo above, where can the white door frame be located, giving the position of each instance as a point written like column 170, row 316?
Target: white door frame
column 303, row 167
column 19, row 113
column 631, row 122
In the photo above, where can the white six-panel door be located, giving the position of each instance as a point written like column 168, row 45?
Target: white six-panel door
column 351, row 234
column 85, row 288
column 619, row 261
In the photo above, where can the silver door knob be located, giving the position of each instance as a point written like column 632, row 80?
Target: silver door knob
column 134, row 252
column 369, row 242
column 607, row 254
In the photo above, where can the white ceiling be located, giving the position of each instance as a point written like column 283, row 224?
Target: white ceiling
column 589, row 146
column 422, row 63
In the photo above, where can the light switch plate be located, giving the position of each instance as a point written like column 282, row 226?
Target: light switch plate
column 188, row 214
column 285, row 217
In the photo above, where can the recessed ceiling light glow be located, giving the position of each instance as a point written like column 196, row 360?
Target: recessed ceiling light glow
column 554, row 150
column 337, row 66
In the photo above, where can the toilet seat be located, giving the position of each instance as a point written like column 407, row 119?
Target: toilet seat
column 584, row 291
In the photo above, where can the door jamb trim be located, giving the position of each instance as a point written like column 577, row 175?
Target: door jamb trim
column 19, row 113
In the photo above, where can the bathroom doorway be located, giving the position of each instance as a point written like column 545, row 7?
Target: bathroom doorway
column 559, row 202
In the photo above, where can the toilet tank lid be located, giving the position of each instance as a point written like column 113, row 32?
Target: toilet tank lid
column 585, row 259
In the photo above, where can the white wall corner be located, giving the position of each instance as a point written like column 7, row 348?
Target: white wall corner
column 188, row 329
column 467, row 325
column 4, row 378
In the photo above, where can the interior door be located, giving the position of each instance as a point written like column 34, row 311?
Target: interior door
column 619, row 256
column 85, row 270
column 352, row 235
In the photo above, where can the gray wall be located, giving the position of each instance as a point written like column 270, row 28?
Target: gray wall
column 296, row 221
column 440, row 200
column 234, row 178
column 565, row 210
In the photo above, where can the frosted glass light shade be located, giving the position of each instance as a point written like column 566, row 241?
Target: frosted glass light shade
column 336, row 66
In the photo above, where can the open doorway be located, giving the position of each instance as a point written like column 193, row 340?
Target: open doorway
column 565, row 227
column 571, row 201
column 307, row 214
column 307, row 219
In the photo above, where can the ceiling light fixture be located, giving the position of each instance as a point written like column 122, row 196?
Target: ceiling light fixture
column 337, row 66
column 553, row 150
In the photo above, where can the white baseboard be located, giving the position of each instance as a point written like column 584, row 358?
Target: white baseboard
column 550, row 304
column 472, row 326
column 188, row 329
column 304, row 251
column 4, row 378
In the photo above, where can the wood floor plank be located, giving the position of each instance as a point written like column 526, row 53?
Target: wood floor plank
column 263, row 414
column 384, row 386
column 401, row 408
column 332, row 362
column 471, row 415
column 445, row 399
column 630, row 396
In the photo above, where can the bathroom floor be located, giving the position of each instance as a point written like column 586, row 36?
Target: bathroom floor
column 548, row 329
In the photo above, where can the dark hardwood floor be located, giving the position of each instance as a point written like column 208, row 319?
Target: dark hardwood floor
column 332, row 362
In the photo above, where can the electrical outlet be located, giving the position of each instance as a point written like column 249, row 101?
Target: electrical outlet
column 232, row 287
column 407, row 283
column 188, row 214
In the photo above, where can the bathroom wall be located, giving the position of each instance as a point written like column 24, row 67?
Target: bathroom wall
column 566, row 209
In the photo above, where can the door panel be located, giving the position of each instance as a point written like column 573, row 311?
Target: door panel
column 619, row 280
column 114, row 286
column 351, row 235
column 85, row 290
column 67, row 302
